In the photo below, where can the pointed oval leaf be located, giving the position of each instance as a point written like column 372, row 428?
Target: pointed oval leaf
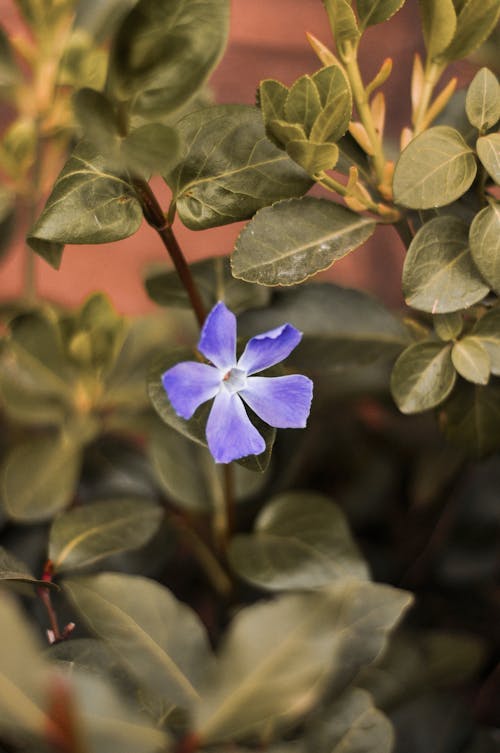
column 448, row 326
column 488, row 150
column 482, row 103
column 83, row 536
column 343, row 22
column 439, row 23
column 314, row 158
column 439, row 274
column 336, row 99
column 302, row 104
column 292, row 240
column 281, row 132
column 471, row 359
column 423, row 376
column 436, row 168
column 487, row 330
column 159, row 639
column 484, row 240
column 271, row 99
column 475, row 22
column 230, row 169
column 301, row 541
column 371, row 12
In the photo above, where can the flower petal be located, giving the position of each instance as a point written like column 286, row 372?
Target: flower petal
column 189, row 384
column 230, row 433
column 218, row 337
column 283, row 402
column 269, row 348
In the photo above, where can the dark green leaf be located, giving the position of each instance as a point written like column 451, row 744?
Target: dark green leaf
column 448, row 326
column 436, row 168
column 476, row 20
column 439, row 23
column 336, row 99
column 471, row 418
column 230, row 169
column 371, row 12
column 483, row 100
column 151, row 149
column 487, row 330
column 439, row 274
column 292, row 240
column 301, row 541
column 159, row 639
column 471, row 359
column 423, row 376
column 484, row 240
column 87, row 205
column 488, row 149
column 303, row 104
column 314, row 158
column 97, row 118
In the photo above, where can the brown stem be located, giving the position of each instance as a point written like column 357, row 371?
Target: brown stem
column 45, row 596
column 154, row 216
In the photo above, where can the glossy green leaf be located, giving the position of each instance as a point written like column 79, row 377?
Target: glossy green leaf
column 342, row 328
column 336, row 99
column 371, row 12
column 439, row 274
column 13, row 570
column 448, row 326
column 292, row 240
column 487, row 330
column 302, row 104
column 301, row 541
column 471, row 417
column 471, row 359
column 484, row 238
column 151, row 149
column 314, row 158
column 159, row 639
column 342, row 22
column 483, row 100
column 277, row 656
column 54, row 466
column 423, row 376
column 488, row 149
column 163, row 52
column 230, row 169
column 436, row 168
column 87, row 534
column 214, row 281
column 351, row 724
column 475, row 22
column 88, row 204
column 439, row 23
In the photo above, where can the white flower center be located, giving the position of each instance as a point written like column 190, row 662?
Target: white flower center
column 235, row 380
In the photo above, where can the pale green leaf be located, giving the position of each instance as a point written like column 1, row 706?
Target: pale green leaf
column 487, row 330
column 439, row 23
column 471, row 359
column 488, row 150
column 336, row 99
column 484, row 238
column 301, row 541
column 448, row 326
column 86, row 534
column 439, row 274
column 292, row 240
column 436, row 168
column 483, row 100
column 281, row 132
column 371, row 12
column 303, row 104
column 314, row 158
column 230, row 169
column 343, row 23
column 159, row 639
column 423, row 376
column 471, row 417
column 475, row 22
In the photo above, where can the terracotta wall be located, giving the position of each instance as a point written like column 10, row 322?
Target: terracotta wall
column 267, row 40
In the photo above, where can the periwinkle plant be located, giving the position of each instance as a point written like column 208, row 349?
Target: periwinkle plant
column 179, row 618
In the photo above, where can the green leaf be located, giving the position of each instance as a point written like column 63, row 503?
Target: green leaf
column 151, row 149
column 278, row 656
column 272, row 95
column 475, row 22
column 439, row 23
column 163, row 52
column 159, row 639
column 87, row 534
column 336, row 100
column 371, row 12
column 436, row 168
column 342, row 22
column 292, row 240
column 488, row 150
column 342, row 328
column 13, row 570
column 482, row 103
column 230, row 169
column 54, row 467
column 487, row 330
column 214, row 281
column 314, row 158
column 98, row 121
column 303, row 104
column 301, row 541
column 351, row 724
column 448, row 326
column 281, row 132
column 439, row 274
column 423, row 376
column 484, row 238
column 471, row 359
column 471, row 417
column 88, row 204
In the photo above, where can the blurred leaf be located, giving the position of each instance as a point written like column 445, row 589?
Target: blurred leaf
column 342, row 22
column 7, row 217
column 488, row 150
column 436, row 168
column 82, row 63
column 99, row 123
column 215, row 283
column 302, row 104
column 439, row 275
column 484, row 238
column 158, row 638
column 471, row 359
column 301, row 541
column 278, row 656
column 13, row 570
column 88, row 204
column 448, row 326
column 9, row 72
column 292, row 240
column 230, row 169
column 83, row 536
column 439, row 23
column 54, row 466
column 471, row 417
column 487, row 330
column 483, row 100
column 423, row 376
column 151, row 149
column 163, row 52
column 475, row 22
column 371, row 12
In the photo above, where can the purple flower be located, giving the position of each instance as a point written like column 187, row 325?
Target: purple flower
column 283, row 402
